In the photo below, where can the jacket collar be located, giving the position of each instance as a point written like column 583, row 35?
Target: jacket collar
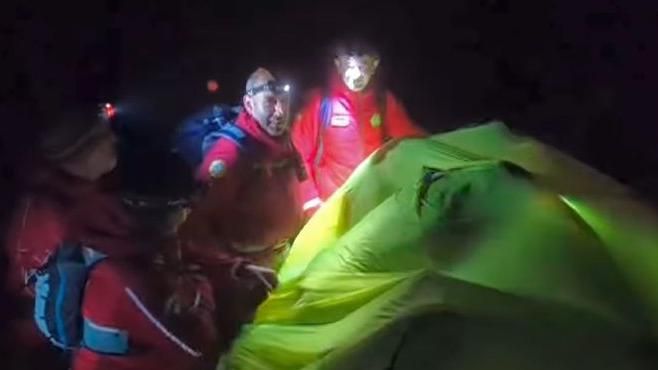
column 275, row 146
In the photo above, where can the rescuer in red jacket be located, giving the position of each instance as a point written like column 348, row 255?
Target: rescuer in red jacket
column 166, row 311
column 252, row 175
column 74, row 154
column 159, row 306
column 344, row 123
column 250, row 208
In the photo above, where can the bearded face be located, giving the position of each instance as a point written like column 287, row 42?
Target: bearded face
column 356, row 71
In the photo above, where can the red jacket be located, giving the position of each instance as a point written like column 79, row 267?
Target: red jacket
column 252, row 200
column 131, row 292
column 355, row 130
column 251, row 204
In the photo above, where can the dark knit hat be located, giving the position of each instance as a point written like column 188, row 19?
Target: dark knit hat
column 157, row 179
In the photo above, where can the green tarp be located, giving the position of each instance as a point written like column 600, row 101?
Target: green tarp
column 475, row 249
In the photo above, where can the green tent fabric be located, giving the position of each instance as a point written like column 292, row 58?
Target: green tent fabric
column 474, row 249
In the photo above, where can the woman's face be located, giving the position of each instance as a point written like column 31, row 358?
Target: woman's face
column 99, row 160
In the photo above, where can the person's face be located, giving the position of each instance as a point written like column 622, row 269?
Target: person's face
column 356, row 71
column 271, row 110
column 99, row 160
column 104, row 156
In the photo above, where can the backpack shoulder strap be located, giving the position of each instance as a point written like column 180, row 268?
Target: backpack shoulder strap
column 325, row 111
column 325, row 119
column 104, row 339
column 92, row 256
column 99, row 338
column 234, row 134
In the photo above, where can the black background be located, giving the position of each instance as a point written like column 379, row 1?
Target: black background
column 580, row 75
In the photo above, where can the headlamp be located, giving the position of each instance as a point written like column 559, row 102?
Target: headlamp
column 107, row 111
column 270, row 86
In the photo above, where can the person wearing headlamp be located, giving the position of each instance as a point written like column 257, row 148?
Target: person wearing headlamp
column 252, row 173
column 74, row 154
column 344, row 123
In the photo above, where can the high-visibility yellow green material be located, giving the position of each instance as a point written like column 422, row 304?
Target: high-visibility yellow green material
column 474, row 249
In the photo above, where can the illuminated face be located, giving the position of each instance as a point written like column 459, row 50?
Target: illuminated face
column 271, row 108
column 356, row 71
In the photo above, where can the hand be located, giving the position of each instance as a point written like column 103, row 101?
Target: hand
column 254, row 275
column 190, row 293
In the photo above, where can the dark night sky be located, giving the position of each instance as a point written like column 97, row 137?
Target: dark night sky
column 578, row 74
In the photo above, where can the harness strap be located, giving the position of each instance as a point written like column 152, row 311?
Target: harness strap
column 325, row 119
column 234, row 134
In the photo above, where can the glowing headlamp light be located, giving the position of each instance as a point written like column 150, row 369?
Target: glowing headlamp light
column 352, row 72
column 107, row 111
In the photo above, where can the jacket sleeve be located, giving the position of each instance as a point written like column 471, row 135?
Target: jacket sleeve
column 219, row 171
column 221, row 157
column 304, row 138
column 398, row 121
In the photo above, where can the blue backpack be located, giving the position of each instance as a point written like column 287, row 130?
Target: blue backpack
column 198, row 133
column 59, row 290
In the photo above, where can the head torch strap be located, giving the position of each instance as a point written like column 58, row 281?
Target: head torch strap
column 270, row 86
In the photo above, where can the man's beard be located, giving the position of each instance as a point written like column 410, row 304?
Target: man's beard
column 275, row 127
column 278, row 128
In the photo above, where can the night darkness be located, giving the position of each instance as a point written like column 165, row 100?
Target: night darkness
column 579, row 75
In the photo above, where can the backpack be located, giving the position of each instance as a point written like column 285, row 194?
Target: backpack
column 199, row 133
column 326, row 112
column 59, row 290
